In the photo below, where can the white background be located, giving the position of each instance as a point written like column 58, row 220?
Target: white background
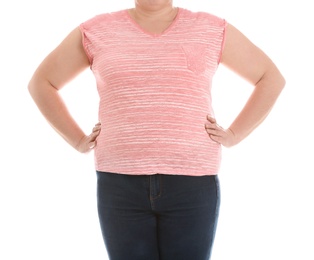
column 47, row 190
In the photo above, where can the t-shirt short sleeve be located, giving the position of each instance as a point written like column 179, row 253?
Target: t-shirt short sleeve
column 223, row 38
column 87, row 29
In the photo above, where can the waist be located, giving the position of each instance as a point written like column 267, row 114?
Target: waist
column 159, row 151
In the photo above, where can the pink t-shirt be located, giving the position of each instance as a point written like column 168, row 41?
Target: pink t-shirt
column 155, row 93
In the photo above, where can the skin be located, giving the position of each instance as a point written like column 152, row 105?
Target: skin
column 240, row 55
column 153, row 16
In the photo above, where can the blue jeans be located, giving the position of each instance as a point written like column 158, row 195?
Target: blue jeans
column 158, row 217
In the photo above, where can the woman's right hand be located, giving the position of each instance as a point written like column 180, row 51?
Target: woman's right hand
column 89, row 142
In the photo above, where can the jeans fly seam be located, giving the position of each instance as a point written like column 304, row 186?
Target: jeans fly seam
column 153, row 197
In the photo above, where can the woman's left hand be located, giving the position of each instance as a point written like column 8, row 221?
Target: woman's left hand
column 225, row 137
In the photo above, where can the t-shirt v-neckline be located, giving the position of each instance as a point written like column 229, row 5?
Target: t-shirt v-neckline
column 142, row 30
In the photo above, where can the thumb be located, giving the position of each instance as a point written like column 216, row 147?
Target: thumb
column 91, row 145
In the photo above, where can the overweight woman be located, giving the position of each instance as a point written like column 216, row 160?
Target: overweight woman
column 157, row 144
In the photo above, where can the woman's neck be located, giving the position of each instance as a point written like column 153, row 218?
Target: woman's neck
column 163, row 13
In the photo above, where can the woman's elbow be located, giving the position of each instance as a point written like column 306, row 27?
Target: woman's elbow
column 32, row 87
column 272, row 79
column 39, row 87
column 280, row 81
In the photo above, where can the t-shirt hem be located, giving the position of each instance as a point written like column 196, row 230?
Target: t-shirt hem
column 191, row 172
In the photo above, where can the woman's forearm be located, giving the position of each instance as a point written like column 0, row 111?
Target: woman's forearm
column 51, row 105
column 258, row 105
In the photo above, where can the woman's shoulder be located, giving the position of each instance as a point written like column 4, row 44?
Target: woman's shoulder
column 104, row 18
column 202, row 16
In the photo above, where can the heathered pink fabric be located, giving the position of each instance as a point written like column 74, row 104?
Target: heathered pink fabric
column 155, row 93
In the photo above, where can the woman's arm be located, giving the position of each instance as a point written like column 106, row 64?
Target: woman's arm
column 249, row 62
column 64, row 63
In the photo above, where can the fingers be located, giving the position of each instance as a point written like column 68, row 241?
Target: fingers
column 211, row 119
column 93, row 136
column 217, row 139
column 225, row 137
column 90, row 142
column 214, row 131
column 212, row 127
column 97, row 127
